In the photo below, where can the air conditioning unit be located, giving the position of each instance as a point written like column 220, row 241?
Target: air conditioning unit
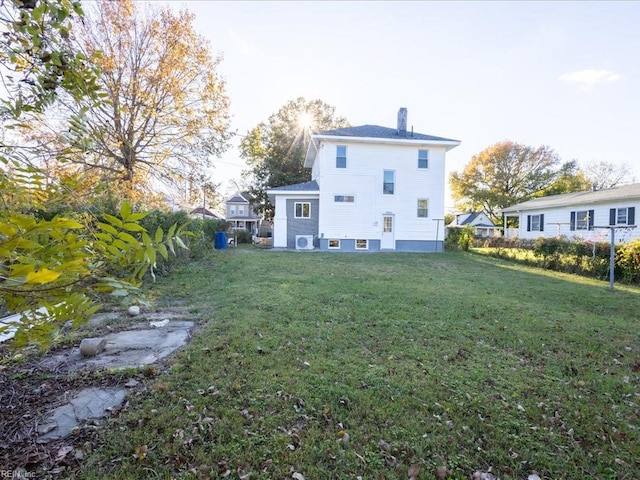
column 304, row 242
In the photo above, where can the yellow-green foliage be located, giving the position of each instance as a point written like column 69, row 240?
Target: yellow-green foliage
column 53, row 271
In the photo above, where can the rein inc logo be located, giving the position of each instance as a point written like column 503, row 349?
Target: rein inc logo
column 16, row 474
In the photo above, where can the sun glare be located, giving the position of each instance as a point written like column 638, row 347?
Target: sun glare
column 305, row 120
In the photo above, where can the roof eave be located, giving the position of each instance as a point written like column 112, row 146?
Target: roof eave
column 449, row 144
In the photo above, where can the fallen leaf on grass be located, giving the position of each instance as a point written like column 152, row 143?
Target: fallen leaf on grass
column 441, row 472
column 297, row 476
column 63, row 452
column 141, row 453
column 413, row 472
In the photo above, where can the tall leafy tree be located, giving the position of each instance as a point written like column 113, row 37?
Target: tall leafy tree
column 53, row 268
column 164, row 113
column 504, row 174
column 275, row 150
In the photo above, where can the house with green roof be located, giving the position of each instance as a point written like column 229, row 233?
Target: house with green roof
column 373, row 188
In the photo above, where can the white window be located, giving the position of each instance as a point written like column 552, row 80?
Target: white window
column 423, row 158
column 341, row 156
column 232, row 210
column 362, row 244
column 582, row 220
column 334, row 244
column 389, row 180
column 240, row 209
column 344, row 198
column 423, row 210
column 302, row 210
column 535, row 223
column 622, row 216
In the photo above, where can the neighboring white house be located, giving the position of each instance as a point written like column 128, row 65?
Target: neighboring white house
column 482, row 224
column 373, row 188
column 588, row 215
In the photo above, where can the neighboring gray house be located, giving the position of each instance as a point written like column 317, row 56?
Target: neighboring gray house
column 372, row 188
column 240, row 214
column 482, row 224
column 589, row 215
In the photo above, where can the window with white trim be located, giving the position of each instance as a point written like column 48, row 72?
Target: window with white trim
column 581, row 220
column 423, row 158
column 622, row 216
column 362, row 244
column 423, row 210
column 302, row 210
column 232, row 210
column 240, row 209
column 341, row 156
column 334, row 244
column 344, row 198
column 388, row 182
column 535, row 223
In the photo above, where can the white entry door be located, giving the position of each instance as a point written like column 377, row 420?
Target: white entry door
column 388, row 239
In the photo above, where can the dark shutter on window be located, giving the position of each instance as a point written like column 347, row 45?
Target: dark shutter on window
column 542, row 222
column 572, row 225
column 631, row 216
column 591, row 215
column 528, row 223
column 612, row 216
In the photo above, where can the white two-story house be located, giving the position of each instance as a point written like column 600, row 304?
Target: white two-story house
column 373, row 188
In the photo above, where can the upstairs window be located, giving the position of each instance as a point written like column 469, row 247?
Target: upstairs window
column 302, row 210
column 423, row 158
column 341, row 156
column 388, row 182
column 423, row 211
column 240, row 209
column 232, row 210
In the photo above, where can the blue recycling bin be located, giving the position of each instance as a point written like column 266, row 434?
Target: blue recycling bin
column 220, row 242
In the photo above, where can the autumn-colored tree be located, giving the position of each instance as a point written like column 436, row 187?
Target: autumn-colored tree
column 275, row 150
column 504, row 174
column 164, row 113
column 53, row 267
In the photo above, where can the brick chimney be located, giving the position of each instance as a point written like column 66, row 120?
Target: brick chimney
column 402, row 122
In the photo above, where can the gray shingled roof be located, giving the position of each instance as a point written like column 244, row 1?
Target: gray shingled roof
column 311, row 186
column 470, row 218
column 609, row 195
column 376, row 131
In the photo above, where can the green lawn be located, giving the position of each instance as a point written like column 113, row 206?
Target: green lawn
column 337, row 365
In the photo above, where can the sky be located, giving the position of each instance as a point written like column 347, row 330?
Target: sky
column 561, row 74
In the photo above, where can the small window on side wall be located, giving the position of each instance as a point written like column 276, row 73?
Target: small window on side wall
column 334, row 244
column 389, row 180
column 302, row 210
column 362, row 244
column 423, row 210
column 423, row 158
column 341, row 156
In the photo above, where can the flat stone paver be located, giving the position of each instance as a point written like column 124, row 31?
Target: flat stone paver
column 90, row 403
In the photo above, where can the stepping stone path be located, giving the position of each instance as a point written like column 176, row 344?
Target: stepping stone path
column 141, row 344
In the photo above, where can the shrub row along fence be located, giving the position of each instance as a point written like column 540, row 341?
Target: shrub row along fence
column 571, row 256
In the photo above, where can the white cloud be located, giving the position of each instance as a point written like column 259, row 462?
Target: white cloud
column 589, row 78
